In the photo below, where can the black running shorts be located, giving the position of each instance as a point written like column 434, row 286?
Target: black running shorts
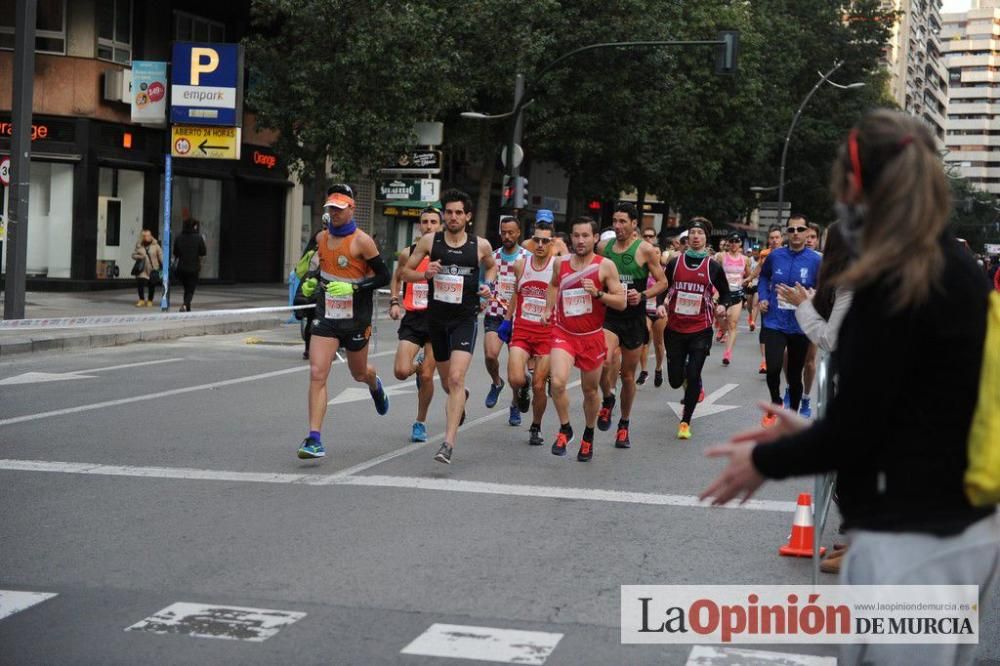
column 631, row 331
column 351, row 340
column 447, row 337
column 413, row 328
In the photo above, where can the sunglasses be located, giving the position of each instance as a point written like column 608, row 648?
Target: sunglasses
column 797, row 230
column 649, row 236
column 540, row 240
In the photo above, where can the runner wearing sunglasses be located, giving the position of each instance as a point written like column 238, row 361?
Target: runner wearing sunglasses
column 531, row 340
column 784, row 268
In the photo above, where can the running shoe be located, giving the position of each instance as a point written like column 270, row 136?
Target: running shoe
column 586, row 451
column 751, row 322
column 515, row 416
column 683, row 431
column 701, row 395
column 641, row 379
column 562, row 441
column 621, row 439
column 311, row 449
column 444, row 454
column 787, row 399
column 763, row 368
column 524, row 399
column 727, row 357
column 769, row 420
column 462, row 421
column 305, row 355
column 604, row 416
column 380, row 397
column 805, row 409
column 535, row 436
column 494, row 394
column 418, row 433
column 658, row 378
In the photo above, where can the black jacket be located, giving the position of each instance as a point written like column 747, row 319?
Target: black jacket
column 897, row 430
column 188, row 249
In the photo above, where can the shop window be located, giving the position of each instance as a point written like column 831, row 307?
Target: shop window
column 50, row 26
column 191, row 28
column 114, row 30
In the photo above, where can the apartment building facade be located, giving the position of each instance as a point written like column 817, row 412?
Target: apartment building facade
column 97, row 179
column 972, row 53
column 914, row 58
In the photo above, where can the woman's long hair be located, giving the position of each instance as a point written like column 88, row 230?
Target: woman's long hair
column 836, row 257
column 908, row 201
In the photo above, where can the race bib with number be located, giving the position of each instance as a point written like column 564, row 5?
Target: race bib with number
column 688, row 303
column 532, row 309
column 577, row 302
column 339, row 307
column 737, row 285
column 651, row 306
column 420, row 291
column 506, row 286
column 448, row 288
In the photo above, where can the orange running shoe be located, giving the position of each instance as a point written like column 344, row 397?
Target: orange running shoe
column 683, row 431
column 586, row 451
column 763, row 368
column 769, row 420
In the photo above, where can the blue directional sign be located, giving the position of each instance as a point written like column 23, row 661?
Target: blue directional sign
column 206, row 84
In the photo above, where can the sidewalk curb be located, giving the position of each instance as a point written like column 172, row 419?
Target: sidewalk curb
column 24, row 343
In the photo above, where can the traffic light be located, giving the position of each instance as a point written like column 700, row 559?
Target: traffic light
column 594, row 205
column 506, row 193
column 521, row 197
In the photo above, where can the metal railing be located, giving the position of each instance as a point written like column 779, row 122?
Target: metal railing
column 823, row 491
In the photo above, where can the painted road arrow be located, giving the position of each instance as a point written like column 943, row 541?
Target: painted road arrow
column 708, row 407
column 204, row 147
column 356, row 394
column 41, row 377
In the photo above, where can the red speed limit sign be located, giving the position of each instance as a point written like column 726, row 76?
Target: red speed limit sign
column 5, row 171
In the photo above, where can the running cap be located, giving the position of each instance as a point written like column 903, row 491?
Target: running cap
column 683, row 236
column 339, row 196
column 544, row 215
column 735, row 237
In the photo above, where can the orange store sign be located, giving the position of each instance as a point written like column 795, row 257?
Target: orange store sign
column 37, row 131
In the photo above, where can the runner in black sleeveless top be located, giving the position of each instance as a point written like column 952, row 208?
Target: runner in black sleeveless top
column 454, row 292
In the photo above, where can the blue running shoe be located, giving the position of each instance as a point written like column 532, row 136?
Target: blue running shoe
column 311, row 449
column 805, row 409
column 418, row 433
column 788, row 399
column 494, row 395
column 515, row 416
column 380, row 397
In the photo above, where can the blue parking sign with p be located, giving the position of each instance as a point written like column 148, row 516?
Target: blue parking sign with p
column 206, row 84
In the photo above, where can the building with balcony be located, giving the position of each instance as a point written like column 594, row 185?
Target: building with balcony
column 914, row 58
column 972, row 54
column 97, row 178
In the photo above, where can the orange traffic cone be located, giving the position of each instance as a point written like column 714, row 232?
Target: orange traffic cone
column 800, row 543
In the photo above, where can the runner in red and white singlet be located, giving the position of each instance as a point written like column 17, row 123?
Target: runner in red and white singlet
column 531, row 339
column 582, row 286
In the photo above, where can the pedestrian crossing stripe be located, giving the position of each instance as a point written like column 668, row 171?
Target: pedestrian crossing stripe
column 15, row 601
column 506, row 646
column 215, row 621
column 706, row 655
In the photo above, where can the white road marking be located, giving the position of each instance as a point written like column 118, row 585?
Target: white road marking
column 355, row 394
column 379, row 481
column 160, row 394
column 212, row 621
column 15, row 601
column 506, row 646
column 706, row 655
column 386, row 457
column 708, row 407
column 40, row 377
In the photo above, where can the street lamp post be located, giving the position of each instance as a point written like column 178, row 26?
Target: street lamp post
column 728, row 41
column 824, row 78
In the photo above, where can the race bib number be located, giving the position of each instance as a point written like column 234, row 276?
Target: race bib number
column 448, row 288
column 339, row 307
column 688, row 303
column 505, row 286
column 577, row 302
column 651, row 306
column 420, row 291
column 735, row 285
column 532, row 309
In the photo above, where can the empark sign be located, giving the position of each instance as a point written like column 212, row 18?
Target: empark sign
column 206, row 84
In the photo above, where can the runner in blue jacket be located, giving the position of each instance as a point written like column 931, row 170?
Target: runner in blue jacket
column 785, row 267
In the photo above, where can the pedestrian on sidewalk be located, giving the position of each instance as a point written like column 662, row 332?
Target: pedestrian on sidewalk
column 917, row 295
column 189, row 252
column 147, row 273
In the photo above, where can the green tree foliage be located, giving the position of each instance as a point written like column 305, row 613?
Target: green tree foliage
column 975, row 215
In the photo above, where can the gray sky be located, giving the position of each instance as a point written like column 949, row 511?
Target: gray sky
column 955, row 6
